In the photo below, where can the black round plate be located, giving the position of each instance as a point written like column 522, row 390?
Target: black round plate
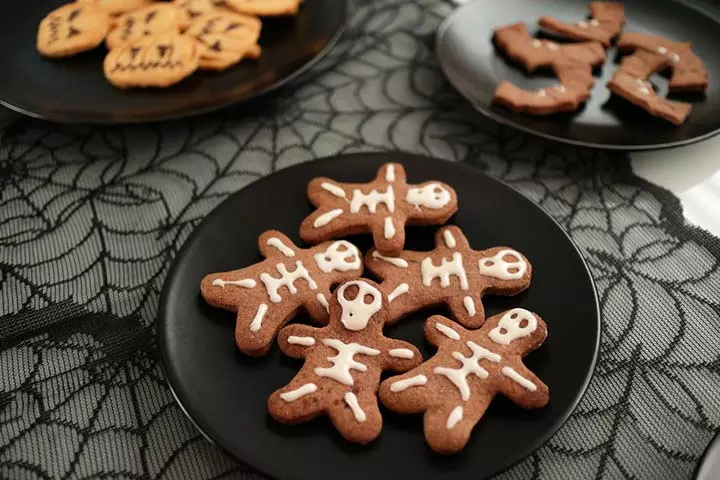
column 475, row 67
column 225, row 393
column 75, row 90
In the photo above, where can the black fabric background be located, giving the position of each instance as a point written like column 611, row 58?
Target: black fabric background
column 91, row 218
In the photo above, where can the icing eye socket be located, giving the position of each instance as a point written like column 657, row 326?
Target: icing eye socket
column 513, row 270
column 489, row 263
column 349, row 259
column 351, row 292
column 524, row 323
column 341, row 247
column 368, row 299
column 328, row 259
column 503, row 331
column 510, row 258
column 514, row 316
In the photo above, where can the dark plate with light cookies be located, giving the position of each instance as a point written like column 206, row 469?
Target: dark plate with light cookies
column 383, row 316
column 126, row 61
column 628, row 75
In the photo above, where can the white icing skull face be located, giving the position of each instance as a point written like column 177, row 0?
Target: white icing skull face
column 341, row 256
column 432, row 195
column 356, row 312
column 517, row 323
column 497, row 266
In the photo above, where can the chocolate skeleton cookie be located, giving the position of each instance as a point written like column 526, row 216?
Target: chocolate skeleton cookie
column 606, row 21
column 343, row 364
column 455, row 387
column 225, row 38
column 117, row 7
column 572, row 64
column 453, row 274
column 71, row 29
column 630, row 82
column 264, row 8
column 382, row 207
column 688, row 71
column 157, row 61
column 145, row 22
column 269, row 294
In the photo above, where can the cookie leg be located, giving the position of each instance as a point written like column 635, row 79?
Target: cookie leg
column 255, row 333
column 297, row 402
column 468, row 310
column 389, row 235
column 448, row 427
column 357, row 416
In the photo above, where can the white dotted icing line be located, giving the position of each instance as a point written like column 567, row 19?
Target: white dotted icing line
column 389, row 228
column 399, row 290
column 454, row 418
column 323, row 301
column 334, row 189
column 449, row 239
column 352, row 402
column 390, row 173
column 469, row 306
column 282, row 248
column 401, row 353
column 245, row 283
column 519, row 379
column 304, row 341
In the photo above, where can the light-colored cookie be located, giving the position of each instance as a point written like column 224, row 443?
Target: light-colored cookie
column 71, row 29
column 158, row 61
column 145, row 22
column 225, row 38
column 190, row 10
column 117, row 7
column 265, row 8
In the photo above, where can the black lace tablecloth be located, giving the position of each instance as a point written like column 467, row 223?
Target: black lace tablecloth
column 91, row 218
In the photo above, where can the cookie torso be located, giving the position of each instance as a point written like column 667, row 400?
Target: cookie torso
column 269, row 294
column 382, row 207
column 343, row 364
column 71, row 29
column 452, row 274
column 225, row 38
column 145, row 22
column 455, row 387
column 156, row 61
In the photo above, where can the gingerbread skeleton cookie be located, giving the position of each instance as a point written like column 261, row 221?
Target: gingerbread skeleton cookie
column 572, row 64
column 117, row 7
column 455, row 387
column 343, row 364
column 145, row 22
column 269, row 294
column 630, row 82
column 382, row 207
column 156, row 61
column 606, row 21
column 225, row 38
column 452, row 274
column 71, row 29
column 688, row 71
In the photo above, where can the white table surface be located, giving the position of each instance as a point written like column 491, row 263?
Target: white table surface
column 692, row 173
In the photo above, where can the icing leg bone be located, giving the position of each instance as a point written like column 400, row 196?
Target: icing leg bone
column 382, row 207
column 453, row 274
column 455, row 387
column 270, row 293
column 344, row 361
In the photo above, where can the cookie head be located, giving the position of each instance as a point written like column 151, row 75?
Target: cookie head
column 433, row 196
column 145, row 22
column 71, row 29
column 359, row 302
column 517, row 328
column 340, row 256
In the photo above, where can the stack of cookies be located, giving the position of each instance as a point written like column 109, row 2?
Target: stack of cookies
column 477, row 357
column 158, row 44
column 573, row 64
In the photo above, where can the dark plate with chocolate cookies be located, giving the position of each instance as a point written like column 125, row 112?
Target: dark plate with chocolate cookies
column 75, row 90
column 225, row 393
column 475, row 66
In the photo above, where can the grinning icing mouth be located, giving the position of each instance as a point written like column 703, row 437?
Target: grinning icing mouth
column 168, row 64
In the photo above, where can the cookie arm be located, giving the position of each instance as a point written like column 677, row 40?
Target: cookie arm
column 401, row 356
column 440, row 330
column 272, row 243
column 522, row 386
column 468, row 309
column 296, row 340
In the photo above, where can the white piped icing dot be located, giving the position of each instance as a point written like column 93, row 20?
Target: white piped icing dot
column 674, row 57
column 536, row 43
column 542, row 93
column 553, row 46
column 561, row 88
column 583, row 24
column 662, row 50
column 644, row 91
column 594, row 23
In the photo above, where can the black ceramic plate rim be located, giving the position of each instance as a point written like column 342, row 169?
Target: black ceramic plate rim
column 569, row 141
column 205, row 429
column 302, row 69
